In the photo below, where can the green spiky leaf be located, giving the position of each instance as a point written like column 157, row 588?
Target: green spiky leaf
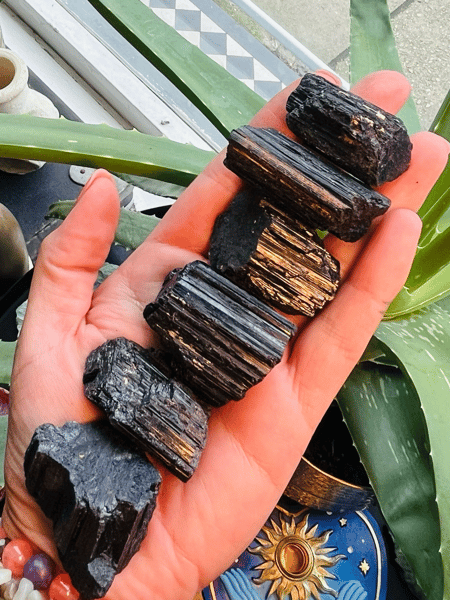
column 429, row 278
column 421, row 344
column 60, row 140
column 7, row 350
column 382, row 410
column 159, row 188
column 227, row 102
column 132, row 229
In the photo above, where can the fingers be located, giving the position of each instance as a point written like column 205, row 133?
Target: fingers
column 70, row 257
column 387, row 89
column 334, row 341
column 188, row 224
column 429, row 158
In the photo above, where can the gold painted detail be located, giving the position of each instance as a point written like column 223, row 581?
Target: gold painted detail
column 364, row 567
column 295, row 558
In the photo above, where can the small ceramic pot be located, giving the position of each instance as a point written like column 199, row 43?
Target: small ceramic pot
column 17, row 98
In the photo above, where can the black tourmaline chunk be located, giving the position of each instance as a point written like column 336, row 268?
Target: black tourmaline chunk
column 156, row 412
column 223, row 341
column 301, row 184
column 363, row 139
column 100, row 493
column 273, row 257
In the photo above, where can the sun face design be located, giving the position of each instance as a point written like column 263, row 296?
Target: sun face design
column 295, row 559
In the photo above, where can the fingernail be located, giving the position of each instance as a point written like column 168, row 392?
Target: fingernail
column 331, row 77
column 92, row 179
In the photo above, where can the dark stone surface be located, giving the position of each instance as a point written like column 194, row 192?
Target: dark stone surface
column 222, row 340
column 156, row 412
column 275, row 258
column 100, row 493
column 303, row 185
column 360, row 137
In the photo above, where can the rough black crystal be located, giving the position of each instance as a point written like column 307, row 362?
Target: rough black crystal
column 100, row 493
column 363, row 139
column 222, row 339
column 275, row 258
column 157, row 412
column 301, row 184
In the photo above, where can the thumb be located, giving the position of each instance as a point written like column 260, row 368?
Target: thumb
column 70, row 257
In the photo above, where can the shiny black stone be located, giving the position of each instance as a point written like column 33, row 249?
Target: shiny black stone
column 154, row 410
column 303, row 185
column 360, row 137
column 100, row 493
column 275, row 258
column 222, row 340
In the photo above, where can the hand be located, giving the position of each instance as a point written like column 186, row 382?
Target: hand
column 254, row 445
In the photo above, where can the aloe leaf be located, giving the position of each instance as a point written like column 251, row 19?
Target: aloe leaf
column 372, row 48
column 105, row 271
column 132, row 229
column 382, row 410
column 223, row 99
column 441, row 123
column 429, row 278
column 7, row 350
column 159, row 188
column 422, row 346
column 60, row 140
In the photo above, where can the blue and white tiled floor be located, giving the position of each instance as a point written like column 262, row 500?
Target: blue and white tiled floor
column 204, row 24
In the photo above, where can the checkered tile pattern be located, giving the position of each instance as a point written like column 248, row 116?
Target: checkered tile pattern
column 222, row 46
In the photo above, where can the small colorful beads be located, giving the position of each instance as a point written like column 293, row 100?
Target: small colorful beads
column 15, row 555
column 39, row 569
column 61, row 588
column 23, row 573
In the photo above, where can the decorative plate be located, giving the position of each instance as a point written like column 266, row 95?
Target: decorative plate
column 302, row 553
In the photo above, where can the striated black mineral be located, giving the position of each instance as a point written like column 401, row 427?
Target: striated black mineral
column 222, row 340
column 99, row 491
column 155, row 411
column 360, row 137
column 275, row 258
column 301, row 184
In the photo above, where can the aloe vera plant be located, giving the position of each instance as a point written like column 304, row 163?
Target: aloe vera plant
column 395, row 402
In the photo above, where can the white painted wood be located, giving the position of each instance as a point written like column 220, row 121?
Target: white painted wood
column 105, row 72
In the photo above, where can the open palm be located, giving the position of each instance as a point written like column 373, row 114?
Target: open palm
column 254, row 445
